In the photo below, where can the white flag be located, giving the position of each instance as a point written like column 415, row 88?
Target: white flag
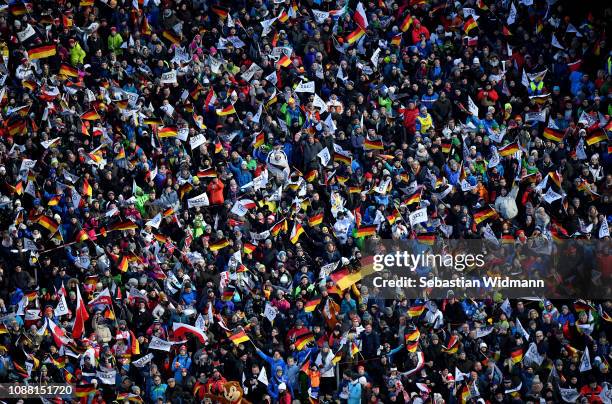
column 239, row 209
column 483, row 332
column 585, row 362
column 162, row 345
column 197, row 201
column 532, row 355
column 550, row 196
column 168, row 77
column 61, row 308
column 418, row 216
column 320, row 16
column 263, row 376
column 472, row 107
column 512, row 15
column 270, row 312
column 604, row 230
column 257, row 116
column 324, row 156
column 494, row 157
column 555, row 42
column 155, row 222
column 506, row 307
column 489, row 235
column 606, row 393
column 519, row 328
column 375, row 56
column 27, row 32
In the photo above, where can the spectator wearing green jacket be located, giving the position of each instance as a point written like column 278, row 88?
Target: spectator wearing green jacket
column 77, row 54
column 115, row 41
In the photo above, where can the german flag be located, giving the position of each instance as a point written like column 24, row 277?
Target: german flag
column 452, row 346
column 337, row 357
column 354, row 190
column 218, row 147
column 16, row 128
column 416, row 310
column 581, row 305
column 469, row 25
column 355, row 36
column 446, row 147
column 48, row 224
column 297, row 231
column 484, row 214
column 18, row 9
column 122, row 104
column 428, row 239
column 342, row 158
column 303, row 340
column 507, row 239
column 283, row 16
column 394, row 216
column 516, row 356
column 42, row 51
column 87, row 189
column 84, row 390
column 413, row 335
column 167, row 131
column 229, row 110
column 208, row 173
column 284, row 61
column 239, row 337
column 152, row 121
column 54, row 201
column 248, row 248
column 259, row 140
column 126, row 225
column 310, row 305
column 555, row 177
column 411, row 346
column 81, row 236
column 414, row 198
column 465, row 394
column 354, row 349
column 342, row 179
column 276, row 229
column 218, row 245
column 343, row 279
column 596, row 137
column 315, row 220
column 172, row 37
column 161, row 238
column 29, row 85
column 220, row 12
column 123, row 264
column 508, row 150
column 553, row 135
column 67, row 70
column 311, row 175
column 90, row 115
column 185, row 188
column 396, row 40
column 406, row 23
column 365, row 231
column 373, row 145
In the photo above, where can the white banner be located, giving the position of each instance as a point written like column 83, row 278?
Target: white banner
column 472, row 107
column 324, row 156
column 270, row 312
column 585, row 362
column 239, row 209
column 143, row 361
column 106, row 377
column 308, row 87
column 532, row 355
column 197, row 201
column 61, row 308
column 248, row 74
column 197, row 141
column 168, row 77
column 483, row 332
column 320, row 16
column 161, row 345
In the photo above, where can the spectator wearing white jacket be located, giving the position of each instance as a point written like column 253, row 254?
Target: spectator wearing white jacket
column 505, row 204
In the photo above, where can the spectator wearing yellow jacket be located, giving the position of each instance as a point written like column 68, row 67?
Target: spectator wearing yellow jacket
column 77, row 54
column 115, row 41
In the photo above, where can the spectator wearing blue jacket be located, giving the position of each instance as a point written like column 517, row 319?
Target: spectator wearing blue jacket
column 275, row 361
column 157, row 389
column 182, row 361
column 241, row 172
